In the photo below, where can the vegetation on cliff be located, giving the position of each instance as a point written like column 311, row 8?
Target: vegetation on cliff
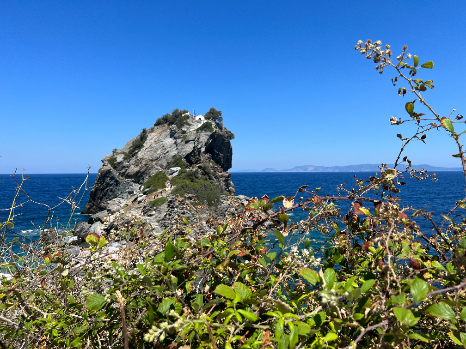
column 137, row 145
column 376, row 280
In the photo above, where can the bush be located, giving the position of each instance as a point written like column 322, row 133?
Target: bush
column 205, row 127
column 205, row 191
column 158, row 202
column 229, row 134
column 177, row 161
column 156, row 182
column 374, row 280
column 137, row 144
column 175, row 118
column 112, row 161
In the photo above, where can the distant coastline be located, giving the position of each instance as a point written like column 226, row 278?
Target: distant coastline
column 349, row 168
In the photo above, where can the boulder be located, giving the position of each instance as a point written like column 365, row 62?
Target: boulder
column 80, row 231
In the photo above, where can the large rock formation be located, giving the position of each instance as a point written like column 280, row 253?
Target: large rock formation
column 198, row 150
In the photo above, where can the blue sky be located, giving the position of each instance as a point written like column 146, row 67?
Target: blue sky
column 79, row 78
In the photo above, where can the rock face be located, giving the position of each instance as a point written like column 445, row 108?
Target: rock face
column 166, row 149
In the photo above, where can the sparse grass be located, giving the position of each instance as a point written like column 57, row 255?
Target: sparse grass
column 158, row 202
column 192, row 182
column 156, row 182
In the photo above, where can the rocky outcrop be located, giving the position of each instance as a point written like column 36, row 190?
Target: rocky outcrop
column 206, row 152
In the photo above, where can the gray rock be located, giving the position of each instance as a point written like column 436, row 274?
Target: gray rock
column 96, row 228
column 98, row 217
column 80, row 231
column 115, row 205
column 73, row 250
column 172, row 171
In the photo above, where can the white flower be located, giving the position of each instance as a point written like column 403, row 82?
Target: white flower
column 393, row 120
column 305, row 253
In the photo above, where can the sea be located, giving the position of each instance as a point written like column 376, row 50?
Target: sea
column 45, row 191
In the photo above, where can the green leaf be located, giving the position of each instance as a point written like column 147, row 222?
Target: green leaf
column 95, row 302
column 455, row 338
column 405, row 316
column 242, row 291
column 280, row 237
column 10, row 224
column 463, row 314
column 197, row 304
column 169, row 251
column 277, row 199
column 367, row 285
column 428, row 65
column 329, row 277
column 225, row 291
column 416, row 61
column 310, row 275
column 92, row 240
column 77, row 342
column 219, row 229
column 250, row 316
column 102, row 241
column 399, row 299
column 283, row 217
column 330, row 337
column 420, row 336
column 410, row 108
column 442, row 310
column 185, row 221
column 448, row 125
column 438, row 265
column 419, row 289
column 303, row 328
column 165, row 305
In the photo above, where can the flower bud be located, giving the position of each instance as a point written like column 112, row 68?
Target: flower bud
column 359, row 42
column 405, row 47
column 387, row 46
column 369, row 41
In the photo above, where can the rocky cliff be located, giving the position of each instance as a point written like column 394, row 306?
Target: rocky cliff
column 177, row 163
column 195, row 155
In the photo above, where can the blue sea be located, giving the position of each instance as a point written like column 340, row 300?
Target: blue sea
column 50, row 189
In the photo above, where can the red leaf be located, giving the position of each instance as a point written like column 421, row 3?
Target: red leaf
column 403, row 215
column 415, row 264
column 380, row 262
column 300, row 189
column 377, row 205
column 356, row 209
column 42, row 283
column 265, row 197
column 366, row 245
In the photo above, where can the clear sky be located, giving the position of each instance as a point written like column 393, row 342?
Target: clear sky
column 79, row 78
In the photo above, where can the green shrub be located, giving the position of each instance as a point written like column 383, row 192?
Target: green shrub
column 177, row 161
column 205, row 191
column 175, row 118
column 229, row 134
column 137, row 144
column 205, row 127
column 112, row 161
column 158, row 202
column 156, row 182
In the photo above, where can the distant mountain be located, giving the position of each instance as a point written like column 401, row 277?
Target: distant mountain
column 356, row 168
